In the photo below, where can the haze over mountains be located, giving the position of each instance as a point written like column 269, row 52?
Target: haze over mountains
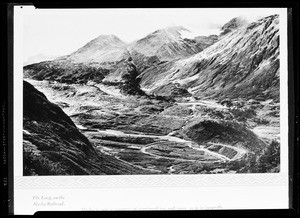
column 163, row 103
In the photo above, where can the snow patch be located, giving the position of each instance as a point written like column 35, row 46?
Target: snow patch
column 187, row 34
column 186, row 80
column 110, row 90
column 80, row 126
column 26, row 132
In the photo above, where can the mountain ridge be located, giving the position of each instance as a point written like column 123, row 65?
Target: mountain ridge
column 165, row 44
column 163, row 57
column 241, row 63
column 155, row 105
column 233, row 24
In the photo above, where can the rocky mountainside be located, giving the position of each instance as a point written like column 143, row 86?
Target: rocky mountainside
column 166, row 45
column 106, row 56
column 244, row 63
column 233, row 24
column 54, row 146
column 161, row 104
column 103, row 49
column 92, row 62
column 205, row 41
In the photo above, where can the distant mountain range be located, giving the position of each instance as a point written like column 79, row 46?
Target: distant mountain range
column 242, row 62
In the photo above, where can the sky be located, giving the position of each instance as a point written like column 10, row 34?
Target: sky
column 57, row 32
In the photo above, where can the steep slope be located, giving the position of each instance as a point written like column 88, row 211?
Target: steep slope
column 92, row 62
column 65, row 71
column 164, row 45
column 106, row 57
column 205, row 41
column 233, row 24
column 53, row 145
column 243, row 63
column 221, row 131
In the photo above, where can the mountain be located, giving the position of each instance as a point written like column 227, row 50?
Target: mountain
column 244, row 63
column 106, row 57
column 233, row 24
column 205, row 41
column 54, row 146
column 103, row 49
column 161, row 104
column 92, row 62
column 165, row 44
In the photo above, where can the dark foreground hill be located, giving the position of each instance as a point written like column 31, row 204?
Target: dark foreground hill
column 53, row 145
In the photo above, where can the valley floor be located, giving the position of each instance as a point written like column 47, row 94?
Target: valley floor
column 155, row 135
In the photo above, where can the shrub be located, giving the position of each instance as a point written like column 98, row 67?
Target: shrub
column 270, row 158
column 111, row 83
column 162, row 98
column 243, row 114
column 227, row 103
column 261, row 121
column 274, row 114
column 213, row 113
column 40, row 165
column 267, row 162
column 239, row 104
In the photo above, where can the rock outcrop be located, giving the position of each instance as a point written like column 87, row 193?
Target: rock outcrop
column 242, row 64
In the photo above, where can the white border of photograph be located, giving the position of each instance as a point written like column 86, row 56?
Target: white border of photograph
column 147, row 192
